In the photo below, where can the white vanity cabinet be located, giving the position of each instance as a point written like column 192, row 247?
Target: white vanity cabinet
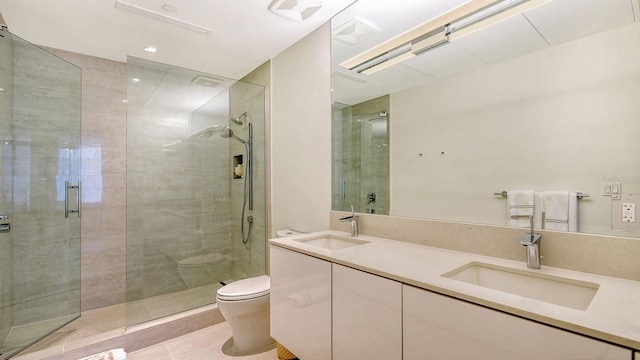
column 301, row 303
column 439, row 327
column 367, row 316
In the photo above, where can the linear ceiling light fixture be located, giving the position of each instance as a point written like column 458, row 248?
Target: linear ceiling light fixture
column 119, row 4
column 459, row 21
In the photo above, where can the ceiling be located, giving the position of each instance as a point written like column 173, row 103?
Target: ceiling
column 244, row 33
column 555, row 22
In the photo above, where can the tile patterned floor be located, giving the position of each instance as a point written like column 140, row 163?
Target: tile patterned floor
column 205, row 344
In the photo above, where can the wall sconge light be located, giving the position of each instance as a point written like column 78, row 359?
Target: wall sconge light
column 460, row 21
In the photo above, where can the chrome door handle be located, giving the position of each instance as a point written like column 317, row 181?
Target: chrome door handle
column 67, row 187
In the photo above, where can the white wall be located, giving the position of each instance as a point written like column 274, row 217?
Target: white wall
column 301, row 134
column 565, row 118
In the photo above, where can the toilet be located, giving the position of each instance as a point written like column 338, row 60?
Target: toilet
column 244, row 304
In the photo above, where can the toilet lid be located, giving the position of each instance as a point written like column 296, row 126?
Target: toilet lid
column 245, row 289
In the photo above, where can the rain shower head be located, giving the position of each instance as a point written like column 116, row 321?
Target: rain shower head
column 238, row 120
column 228, row 133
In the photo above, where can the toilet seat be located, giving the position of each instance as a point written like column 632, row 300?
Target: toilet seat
column 245, row 289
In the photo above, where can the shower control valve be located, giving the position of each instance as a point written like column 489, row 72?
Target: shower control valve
column 250, row 219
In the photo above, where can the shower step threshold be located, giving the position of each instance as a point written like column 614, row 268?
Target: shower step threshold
column 132, row 339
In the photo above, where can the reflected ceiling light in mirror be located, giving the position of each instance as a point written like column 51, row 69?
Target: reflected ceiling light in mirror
column 491, row 15
column 468, row 17
column 354, row 31
column 295, row 10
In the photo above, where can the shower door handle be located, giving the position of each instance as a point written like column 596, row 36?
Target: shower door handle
column 67, row 188
column 5, row 226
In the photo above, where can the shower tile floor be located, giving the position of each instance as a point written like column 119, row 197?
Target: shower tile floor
column 108, row 322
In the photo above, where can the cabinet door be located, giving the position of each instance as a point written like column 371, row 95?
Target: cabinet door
column 439, row 327
column 301, row 303
column 367, row 316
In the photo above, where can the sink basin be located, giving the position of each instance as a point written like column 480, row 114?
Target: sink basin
column 557, row 290
column 333, row 242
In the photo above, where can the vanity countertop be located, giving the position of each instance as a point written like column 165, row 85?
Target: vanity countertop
column 613, row 315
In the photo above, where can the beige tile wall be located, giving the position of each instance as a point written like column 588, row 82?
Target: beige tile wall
column 596, row 254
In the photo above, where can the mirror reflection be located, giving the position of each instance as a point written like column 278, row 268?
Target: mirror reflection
column 540, row 96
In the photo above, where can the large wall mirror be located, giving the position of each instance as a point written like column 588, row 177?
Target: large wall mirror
column 440, row 106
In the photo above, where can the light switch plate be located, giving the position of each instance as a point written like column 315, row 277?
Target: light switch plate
column 612, row 188
column 623, row 213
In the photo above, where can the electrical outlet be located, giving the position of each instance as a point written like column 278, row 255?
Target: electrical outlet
column 628, row 212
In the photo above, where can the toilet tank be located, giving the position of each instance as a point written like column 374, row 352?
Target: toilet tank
column 287, row 232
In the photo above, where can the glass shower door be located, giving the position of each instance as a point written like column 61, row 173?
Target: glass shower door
column 40, row 117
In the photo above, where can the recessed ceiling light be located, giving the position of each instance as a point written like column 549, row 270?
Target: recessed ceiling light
column 169, row 8
column 295, row 10
column 150, row 49
column 125, row 101
column 135, row 80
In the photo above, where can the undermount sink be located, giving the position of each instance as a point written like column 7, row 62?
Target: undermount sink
column 557, row 290
column 332, row 242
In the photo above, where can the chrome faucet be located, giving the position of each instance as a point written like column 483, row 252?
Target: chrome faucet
column 531, row 242
column 353, row 220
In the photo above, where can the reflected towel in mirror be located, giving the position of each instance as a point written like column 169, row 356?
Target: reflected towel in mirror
column 520, row 207
column 561, row 211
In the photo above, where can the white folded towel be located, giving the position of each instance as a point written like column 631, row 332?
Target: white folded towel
column 556, row 210
column 573, row 212
column 115, row 354
column 538, row 209
column 520, row 207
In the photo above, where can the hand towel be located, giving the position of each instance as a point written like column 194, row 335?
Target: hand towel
column 520, row 207
column 556, row 210
column 538, row 209
column 573, row 212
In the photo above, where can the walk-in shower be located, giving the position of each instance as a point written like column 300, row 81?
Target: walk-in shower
column 195, row 187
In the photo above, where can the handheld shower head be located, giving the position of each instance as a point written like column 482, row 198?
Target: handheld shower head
column 228, row 133
column 238, row 120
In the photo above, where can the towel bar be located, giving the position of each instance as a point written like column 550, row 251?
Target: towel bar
column 579, row 195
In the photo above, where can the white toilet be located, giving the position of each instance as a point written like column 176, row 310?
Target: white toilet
column 244, row 304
